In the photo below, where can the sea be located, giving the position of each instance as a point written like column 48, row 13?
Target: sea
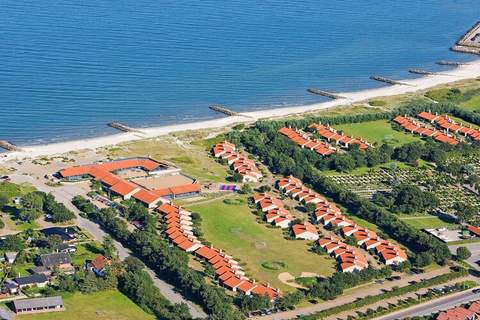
column 67, row 68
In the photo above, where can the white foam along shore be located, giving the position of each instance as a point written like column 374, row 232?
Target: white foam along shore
column 467, row 71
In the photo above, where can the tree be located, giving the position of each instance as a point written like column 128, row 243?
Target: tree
column 137, row 211
column 310, row 207
column 66, row 283
column 54, row 241
column 109, row 249
column 237, row 177
column 12, row 243
column 60, row 213
column 3, row 200
column 33, row 201
column 29, row 215
column 463, row 253
column 246, row 189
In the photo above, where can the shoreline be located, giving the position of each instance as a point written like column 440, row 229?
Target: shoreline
column 470, row 70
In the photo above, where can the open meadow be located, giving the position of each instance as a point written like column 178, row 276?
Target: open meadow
column 264, row 251
column 105, row 305
column 377, row 132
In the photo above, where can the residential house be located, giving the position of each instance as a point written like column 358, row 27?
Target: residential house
column 38, row 280
column 98, row 265
column 60, row 260
column 306, row 231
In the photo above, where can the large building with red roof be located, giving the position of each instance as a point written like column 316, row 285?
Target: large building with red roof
column 108, row 173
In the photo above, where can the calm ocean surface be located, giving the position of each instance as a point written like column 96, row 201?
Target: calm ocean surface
column 69, row 67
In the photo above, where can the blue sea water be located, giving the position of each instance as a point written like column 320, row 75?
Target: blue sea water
column 69, row 67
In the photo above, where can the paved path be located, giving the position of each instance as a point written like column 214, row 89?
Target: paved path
column 64, row 194
column 434, row 306
column 354, row 294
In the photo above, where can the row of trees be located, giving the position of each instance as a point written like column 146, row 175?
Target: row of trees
column 333, row 286
column 282, row 157
column 170, row 263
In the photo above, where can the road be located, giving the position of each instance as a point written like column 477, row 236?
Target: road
column 434, row 306
column 353, row 294
column 65, row 194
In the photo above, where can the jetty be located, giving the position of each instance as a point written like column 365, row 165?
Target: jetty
column 422, row 72
column 449, row 63
column 8, row 146
column 325, row 93
column 122, row 127
column 470, row 41
column 222, row 109
column 388, row 81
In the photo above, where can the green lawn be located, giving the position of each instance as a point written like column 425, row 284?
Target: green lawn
column 472, row 104
column 86, row 251
column 12, row 190
column 234, row 229
column 379, row 132
column 425, row 222
column 105, row 305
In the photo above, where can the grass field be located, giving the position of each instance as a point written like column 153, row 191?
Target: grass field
column 425, row 222
column 193, row 159
column 12, row 190
column 105, row 305
column 472, row 104
column 234, row 229
column 378, row 132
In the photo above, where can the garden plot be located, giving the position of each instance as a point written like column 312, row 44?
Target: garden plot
column 366, row 185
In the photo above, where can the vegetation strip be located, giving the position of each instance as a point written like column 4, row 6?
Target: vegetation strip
column 393, row 293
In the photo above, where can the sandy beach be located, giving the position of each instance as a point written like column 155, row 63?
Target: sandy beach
column 463, row 72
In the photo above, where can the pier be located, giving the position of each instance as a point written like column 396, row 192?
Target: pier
column 8, row 146
column 422, row 72
column 122, row 127
column 325, row 93
column 470, row 41
column 449, row 63
column 222, row 109
column 388, row 81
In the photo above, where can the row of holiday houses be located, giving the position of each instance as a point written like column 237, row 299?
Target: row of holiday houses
column 239, row 162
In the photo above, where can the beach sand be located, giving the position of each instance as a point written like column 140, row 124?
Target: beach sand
column 463, row 72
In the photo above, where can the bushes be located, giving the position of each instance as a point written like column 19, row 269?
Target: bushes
column 274, row 265
column 333, row 286
column 234, row 202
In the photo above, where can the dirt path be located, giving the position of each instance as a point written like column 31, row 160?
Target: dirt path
column 288, row 279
